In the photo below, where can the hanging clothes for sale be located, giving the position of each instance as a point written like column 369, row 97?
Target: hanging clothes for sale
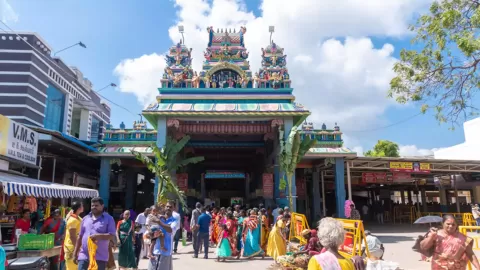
column 30, row 204
column 12, row 203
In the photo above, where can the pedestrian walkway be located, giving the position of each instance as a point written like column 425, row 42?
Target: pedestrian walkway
column 183, row 260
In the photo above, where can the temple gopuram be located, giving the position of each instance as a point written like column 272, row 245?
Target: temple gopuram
column 233, row 116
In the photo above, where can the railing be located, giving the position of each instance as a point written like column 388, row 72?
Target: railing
column 475, row 246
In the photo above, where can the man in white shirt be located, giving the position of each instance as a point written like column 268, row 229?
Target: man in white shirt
column 375, row 247
column 142, row 221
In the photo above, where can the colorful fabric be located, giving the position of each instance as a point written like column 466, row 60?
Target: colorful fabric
column 276, row 243
column 328, row 261
column 92, row 250
column 252, row 238
column 265, row 229
column 224, row 249
column 56, row 226
column 22, row 224
column 348, row 208
column 126, row 254
column 449, row 252
column 232, row 236
column 240, row 233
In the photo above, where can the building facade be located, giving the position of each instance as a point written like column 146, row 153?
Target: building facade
column 42, row 91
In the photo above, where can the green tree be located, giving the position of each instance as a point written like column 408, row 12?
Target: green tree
column 166, row 160
column 442, row 74
column 384, row 148
column 291, row 153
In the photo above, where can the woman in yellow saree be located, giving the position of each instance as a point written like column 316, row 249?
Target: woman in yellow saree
column 277, row 241
column 265, row 229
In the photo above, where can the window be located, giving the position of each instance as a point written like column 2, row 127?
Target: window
column 54, row 109
column 94, row 130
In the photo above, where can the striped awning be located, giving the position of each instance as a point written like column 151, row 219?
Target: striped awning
column 24, row 186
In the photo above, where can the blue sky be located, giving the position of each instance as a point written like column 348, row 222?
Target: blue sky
column 316, row 40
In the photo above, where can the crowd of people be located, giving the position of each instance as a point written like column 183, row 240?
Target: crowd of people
column 233, row 232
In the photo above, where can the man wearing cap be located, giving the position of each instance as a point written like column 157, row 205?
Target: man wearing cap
column 375, row 247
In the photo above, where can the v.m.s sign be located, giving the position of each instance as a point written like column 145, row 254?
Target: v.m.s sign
column 17, row 141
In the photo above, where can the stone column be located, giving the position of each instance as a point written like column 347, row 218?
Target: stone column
column 317, row 211
column 402, row 195
column 443, row 200
column 340, row 186
column 409, row 196
column 161, row 140
column 104, row 185
column 423, row 196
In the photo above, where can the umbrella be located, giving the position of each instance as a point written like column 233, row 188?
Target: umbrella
column 428, row 219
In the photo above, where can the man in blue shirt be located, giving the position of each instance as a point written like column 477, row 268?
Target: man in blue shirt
column 163, row 260
column 203, row 228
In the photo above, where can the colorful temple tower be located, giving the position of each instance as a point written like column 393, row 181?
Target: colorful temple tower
column 233, row 116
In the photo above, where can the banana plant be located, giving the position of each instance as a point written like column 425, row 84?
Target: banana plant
column 166, row 160
column 291, row 153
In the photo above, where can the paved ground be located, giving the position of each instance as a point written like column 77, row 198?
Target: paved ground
column 397, row 239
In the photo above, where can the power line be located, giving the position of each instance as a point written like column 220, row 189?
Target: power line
column 56, row 65
column 388, row 126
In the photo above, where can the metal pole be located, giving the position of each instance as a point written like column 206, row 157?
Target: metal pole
column 457, row 202
column 349, row 182
column 323, row 195
column 53, row 172
column 40, row 167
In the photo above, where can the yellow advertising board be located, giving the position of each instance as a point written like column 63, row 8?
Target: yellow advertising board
column 411, row 167
column 17, row 141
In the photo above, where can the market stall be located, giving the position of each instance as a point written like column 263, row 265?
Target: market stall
column 17, row 193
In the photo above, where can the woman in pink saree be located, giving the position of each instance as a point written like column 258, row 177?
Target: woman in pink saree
column 451, row 249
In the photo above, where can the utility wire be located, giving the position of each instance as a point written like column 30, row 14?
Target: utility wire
column 56, row 65
column 388, row 126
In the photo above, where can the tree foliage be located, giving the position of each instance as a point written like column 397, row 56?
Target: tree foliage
column 443, row 74
column 384, row 148
column 167, row 161
column 291, row 153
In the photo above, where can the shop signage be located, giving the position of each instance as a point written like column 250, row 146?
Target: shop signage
column 182, row 181
column 17, row 141
column 382, row 178
column 267, row 185
column 411, row 167
column 372, row 178
column 301, row 187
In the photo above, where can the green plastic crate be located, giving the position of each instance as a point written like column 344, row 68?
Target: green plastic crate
column 36, row 241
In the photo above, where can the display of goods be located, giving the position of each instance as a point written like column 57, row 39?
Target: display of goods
column 36, row 241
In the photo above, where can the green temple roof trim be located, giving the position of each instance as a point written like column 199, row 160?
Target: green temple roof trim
column 143, row 143
column 327, row 150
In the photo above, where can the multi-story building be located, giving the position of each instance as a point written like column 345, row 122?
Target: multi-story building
column 40, row 90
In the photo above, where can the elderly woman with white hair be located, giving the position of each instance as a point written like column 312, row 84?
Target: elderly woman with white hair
column 331, row 235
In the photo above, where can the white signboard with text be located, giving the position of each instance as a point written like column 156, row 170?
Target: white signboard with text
column 17, row 141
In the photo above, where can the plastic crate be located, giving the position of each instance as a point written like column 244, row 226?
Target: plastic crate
column 36, row 241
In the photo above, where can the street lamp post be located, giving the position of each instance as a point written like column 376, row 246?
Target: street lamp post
column 81, row 44
column 106, row 86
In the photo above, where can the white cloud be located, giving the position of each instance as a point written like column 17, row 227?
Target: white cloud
column 414, row 151
column 7, row 14
column 141, row 76
column 342, row 79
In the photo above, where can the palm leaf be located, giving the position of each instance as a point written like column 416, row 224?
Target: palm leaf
column 145, row 160
column 187, row 161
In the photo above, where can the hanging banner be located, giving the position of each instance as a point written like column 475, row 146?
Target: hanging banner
column 411, row 167
column 301, row 187
column 17, row 141
column 267, row 185
column 372, row 178
column 182, row 181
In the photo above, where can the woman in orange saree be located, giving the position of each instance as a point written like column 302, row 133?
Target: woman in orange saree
column 214, row 227
column 451, row 249
column 219, row 221
column 232, row 235
column 265, row 229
